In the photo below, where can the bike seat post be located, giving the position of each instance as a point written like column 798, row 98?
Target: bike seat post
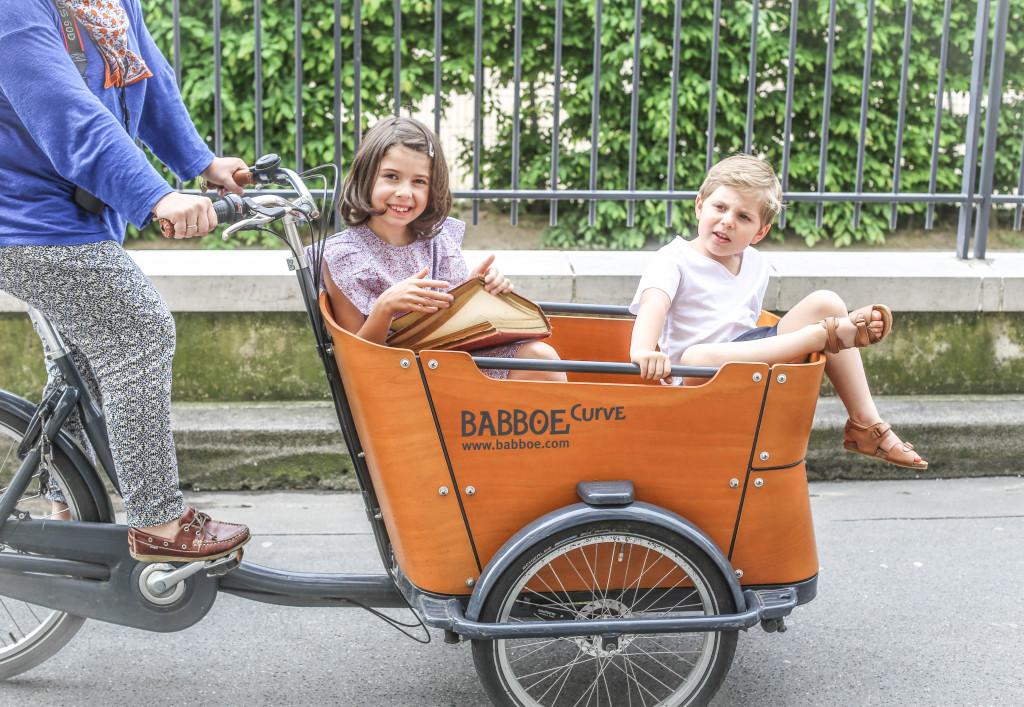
column 52, row 341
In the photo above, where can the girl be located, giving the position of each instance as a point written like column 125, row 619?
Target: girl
column 402, row 252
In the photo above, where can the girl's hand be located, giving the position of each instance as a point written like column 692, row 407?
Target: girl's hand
column 414, row 294
column 494, row 281
column 654, row 365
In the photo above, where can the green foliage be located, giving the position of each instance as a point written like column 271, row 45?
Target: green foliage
column 652, row 220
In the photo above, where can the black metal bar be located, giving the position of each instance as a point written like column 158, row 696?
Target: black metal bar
column 988, row 155
column 864, row 108
column 673, row 109
column 634, row 110
column 748, row 136
column 901, row 118
column 517, row 75
column 826, row 108
column 218, row 103
column 713, row 84
column 937, row 132
column 556, row 112
column 970, row 170
column 17, row 563
column 337, row 86
column 595, row 105
column 357, row 74
column 625, row 369
column 258, row 79
column 397, row 43
column 438, row 45
column 298, row 85
column 622, row 195
column 369, row 589
column 478, row 99
column 787, row 130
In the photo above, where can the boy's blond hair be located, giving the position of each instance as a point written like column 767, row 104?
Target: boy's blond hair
column 748, row 175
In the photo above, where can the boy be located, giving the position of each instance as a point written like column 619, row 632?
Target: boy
column 699, row 302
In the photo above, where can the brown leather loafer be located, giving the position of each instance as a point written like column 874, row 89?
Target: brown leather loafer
column 199, row 537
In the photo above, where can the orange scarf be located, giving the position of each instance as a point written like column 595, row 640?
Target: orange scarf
column 107, row 24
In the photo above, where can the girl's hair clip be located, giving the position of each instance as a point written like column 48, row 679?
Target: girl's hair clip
column 430, row 148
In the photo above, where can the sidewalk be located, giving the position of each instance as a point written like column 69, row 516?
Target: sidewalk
column 299, row 445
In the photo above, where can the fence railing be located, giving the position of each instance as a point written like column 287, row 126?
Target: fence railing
column 961, row 134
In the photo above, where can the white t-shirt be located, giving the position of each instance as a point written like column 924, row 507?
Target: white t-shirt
column 708, row 303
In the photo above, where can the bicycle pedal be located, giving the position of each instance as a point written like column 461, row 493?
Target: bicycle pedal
column 220, row 567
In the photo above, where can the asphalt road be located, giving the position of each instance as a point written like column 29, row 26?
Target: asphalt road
column 919, row 603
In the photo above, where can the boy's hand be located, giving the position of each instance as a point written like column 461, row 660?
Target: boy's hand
column 415, row 294
column 494, row 281
column 654, row 365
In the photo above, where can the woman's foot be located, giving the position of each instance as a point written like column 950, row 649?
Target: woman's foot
column 863, row 327
column 192, row 537
column 879, row 441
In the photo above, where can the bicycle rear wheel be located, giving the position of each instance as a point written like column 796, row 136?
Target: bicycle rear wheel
column 607, row 570
column 30, row 634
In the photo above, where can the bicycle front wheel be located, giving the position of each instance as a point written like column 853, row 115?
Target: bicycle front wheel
column 30, row 634
column 607, row 570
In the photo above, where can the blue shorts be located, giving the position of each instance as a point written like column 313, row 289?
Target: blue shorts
column 761, row 332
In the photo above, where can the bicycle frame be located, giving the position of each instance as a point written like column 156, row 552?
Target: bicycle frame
column 85, row 568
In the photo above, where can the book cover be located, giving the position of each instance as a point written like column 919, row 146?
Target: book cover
column 476, row 319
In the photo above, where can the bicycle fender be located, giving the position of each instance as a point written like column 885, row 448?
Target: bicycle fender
column 580, row 513
column 90, row 474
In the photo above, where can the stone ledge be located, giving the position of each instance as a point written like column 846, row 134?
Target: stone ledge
column 259, row 280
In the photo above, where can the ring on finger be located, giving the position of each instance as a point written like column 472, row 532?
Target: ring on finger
column 191, row 225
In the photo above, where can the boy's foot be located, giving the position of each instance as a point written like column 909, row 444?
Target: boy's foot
column 198, row 537
column 865, row 326
column 879, row 441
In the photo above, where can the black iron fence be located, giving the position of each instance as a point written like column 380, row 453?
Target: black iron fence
column 864, row 106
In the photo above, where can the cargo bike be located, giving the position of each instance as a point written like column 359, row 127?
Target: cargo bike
column 600, row 541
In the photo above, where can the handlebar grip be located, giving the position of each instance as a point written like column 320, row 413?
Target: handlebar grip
column 228, row 209
column 243, row 177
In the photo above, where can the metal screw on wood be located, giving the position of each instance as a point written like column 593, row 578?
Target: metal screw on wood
column 758, row 483
column 404, row 363
column 734, row 483
column 764, row 456
column 470, row 490
column 781, row 378
column 757, row 377
column 443, row 490
column 432, row 364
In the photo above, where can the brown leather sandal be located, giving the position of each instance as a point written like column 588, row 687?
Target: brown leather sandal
column 861, row 318
column 868, row 441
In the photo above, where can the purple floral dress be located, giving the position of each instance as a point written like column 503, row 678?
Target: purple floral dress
column 363, row 266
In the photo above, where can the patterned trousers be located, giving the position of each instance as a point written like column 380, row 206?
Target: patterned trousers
column 121, row 334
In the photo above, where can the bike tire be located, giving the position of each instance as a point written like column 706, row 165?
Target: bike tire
column 607, row 569
column 31, row 634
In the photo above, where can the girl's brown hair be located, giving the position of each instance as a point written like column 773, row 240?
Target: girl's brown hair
column 356, row 208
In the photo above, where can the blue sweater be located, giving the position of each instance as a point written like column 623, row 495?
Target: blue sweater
column 56, row 132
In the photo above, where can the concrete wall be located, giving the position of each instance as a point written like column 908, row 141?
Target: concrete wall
column 251, row 408
column 243, row 336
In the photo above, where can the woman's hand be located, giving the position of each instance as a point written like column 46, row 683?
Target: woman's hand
column 414, row 294
column 654, row 365
column 494, row 281
column 188, row 216
column 220, row 174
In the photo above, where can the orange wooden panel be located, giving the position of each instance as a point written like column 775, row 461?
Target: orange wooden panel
column 775, row 539
column 594, row 339
column 523, row 446
column 406, row 462
column 767, row 318
column 788, row 413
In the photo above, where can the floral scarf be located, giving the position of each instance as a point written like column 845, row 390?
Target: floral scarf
column 107, row 23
